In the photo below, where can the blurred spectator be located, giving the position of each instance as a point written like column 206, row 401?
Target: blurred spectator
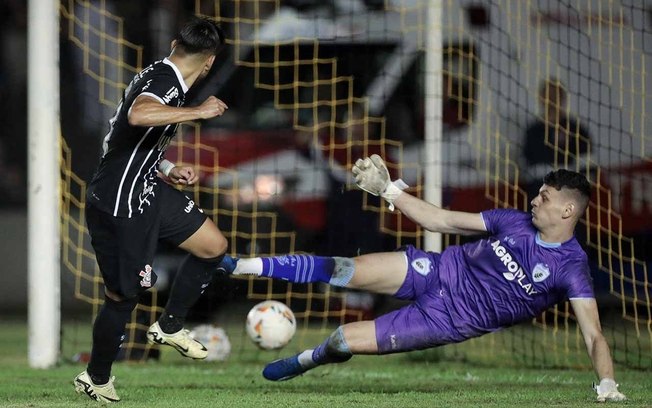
column 555, row 139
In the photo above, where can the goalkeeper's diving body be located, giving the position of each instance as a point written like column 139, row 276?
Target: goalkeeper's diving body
column 529, row 262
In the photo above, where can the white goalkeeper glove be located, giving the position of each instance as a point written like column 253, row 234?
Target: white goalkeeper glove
column 608, row 391
column 372, row 176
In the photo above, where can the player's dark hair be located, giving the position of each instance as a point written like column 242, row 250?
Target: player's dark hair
column 201, row 35
column 571, row 180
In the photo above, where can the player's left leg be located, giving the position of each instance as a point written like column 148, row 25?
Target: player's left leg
column 422, row 324
column 380, row 272
column 206, row 247
column 183, row 224
column 339, row 347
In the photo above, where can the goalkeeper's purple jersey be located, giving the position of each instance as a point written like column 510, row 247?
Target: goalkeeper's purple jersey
column 510, row 276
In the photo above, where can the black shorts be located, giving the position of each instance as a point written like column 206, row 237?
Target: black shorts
column 125, row 247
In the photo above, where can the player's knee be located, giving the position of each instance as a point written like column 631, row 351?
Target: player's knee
column 220, row 245
column 337, row 348
column 201, row 271
column 120, row 303
column 211, row 263
column 111, row 295
column 342, row 272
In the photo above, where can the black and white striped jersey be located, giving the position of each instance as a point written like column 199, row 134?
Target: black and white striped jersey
column 125, row 181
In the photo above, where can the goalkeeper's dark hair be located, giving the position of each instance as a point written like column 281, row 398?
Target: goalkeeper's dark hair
column 201, row 35
column 571, row 180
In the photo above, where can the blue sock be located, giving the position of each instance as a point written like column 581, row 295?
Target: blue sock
column 333, row 350
column 299, row 268
column 319, row 354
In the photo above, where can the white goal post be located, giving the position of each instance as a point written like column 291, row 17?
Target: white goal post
column 43, row 218
column 433, row 185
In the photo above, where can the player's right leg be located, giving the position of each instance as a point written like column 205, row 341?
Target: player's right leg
column 380, row 273
column 108, row 332
column 110, row 322
column 102, row 393
column 124, row 249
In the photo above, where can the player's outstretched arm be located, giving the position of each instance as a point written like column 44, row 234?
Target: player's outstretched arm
column 371, row 175
column 586, row 312
column 148, row 111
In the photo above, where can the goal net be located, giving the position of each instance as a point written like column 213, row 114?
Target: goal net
column 522, row 88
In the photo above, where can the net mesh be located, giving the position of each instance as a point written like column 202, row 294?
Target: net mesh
column 313, row 86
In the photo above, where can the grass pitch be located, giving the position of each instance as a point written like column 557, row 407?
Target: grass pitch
column 366, row 381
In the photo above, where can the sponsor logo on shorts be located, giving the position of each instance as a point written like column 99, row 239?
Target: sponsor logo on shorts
column 392, row 342
column 189, row 206
column 146, row 275
column 540, row 272
column 422, row 266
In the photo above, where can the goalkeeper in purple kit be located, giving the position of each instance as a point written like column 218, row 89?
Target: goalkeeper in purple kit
column 528, row 263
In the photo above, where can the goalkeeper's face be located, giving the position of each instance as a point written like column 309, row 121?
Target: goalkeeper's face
column 548, row 207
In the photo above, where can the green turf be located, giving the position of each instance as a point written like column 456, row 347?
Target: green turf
column 370, row 381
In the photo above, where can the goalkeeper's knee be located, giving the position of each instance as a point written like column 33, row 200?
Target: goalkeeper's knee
column 343, row 271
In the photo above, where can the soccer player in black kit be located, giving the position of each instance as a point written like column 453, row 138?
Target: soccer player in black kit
column 129, row 208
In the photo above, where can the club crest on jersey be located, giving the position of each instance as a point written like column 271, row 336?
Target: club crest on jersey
column 421, row 265
column 146, row 276
column 540, row 272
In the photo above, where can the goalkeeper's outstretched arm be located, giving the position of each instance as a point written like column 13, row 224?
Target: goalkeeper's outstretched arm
column 586, row 312
column 437, row 219
column 371, row 175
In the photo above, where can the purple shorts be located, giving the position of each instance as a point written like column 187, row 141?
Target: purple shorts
column 424, row 323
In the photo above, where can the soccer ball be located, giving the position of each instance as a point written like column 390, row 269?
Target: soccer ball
column 214, row 339
column 271, row 325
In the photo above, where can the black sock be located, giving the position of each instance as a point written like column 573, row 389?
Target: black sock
column 170, row 323
column 108, row 333
column 193, row 277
